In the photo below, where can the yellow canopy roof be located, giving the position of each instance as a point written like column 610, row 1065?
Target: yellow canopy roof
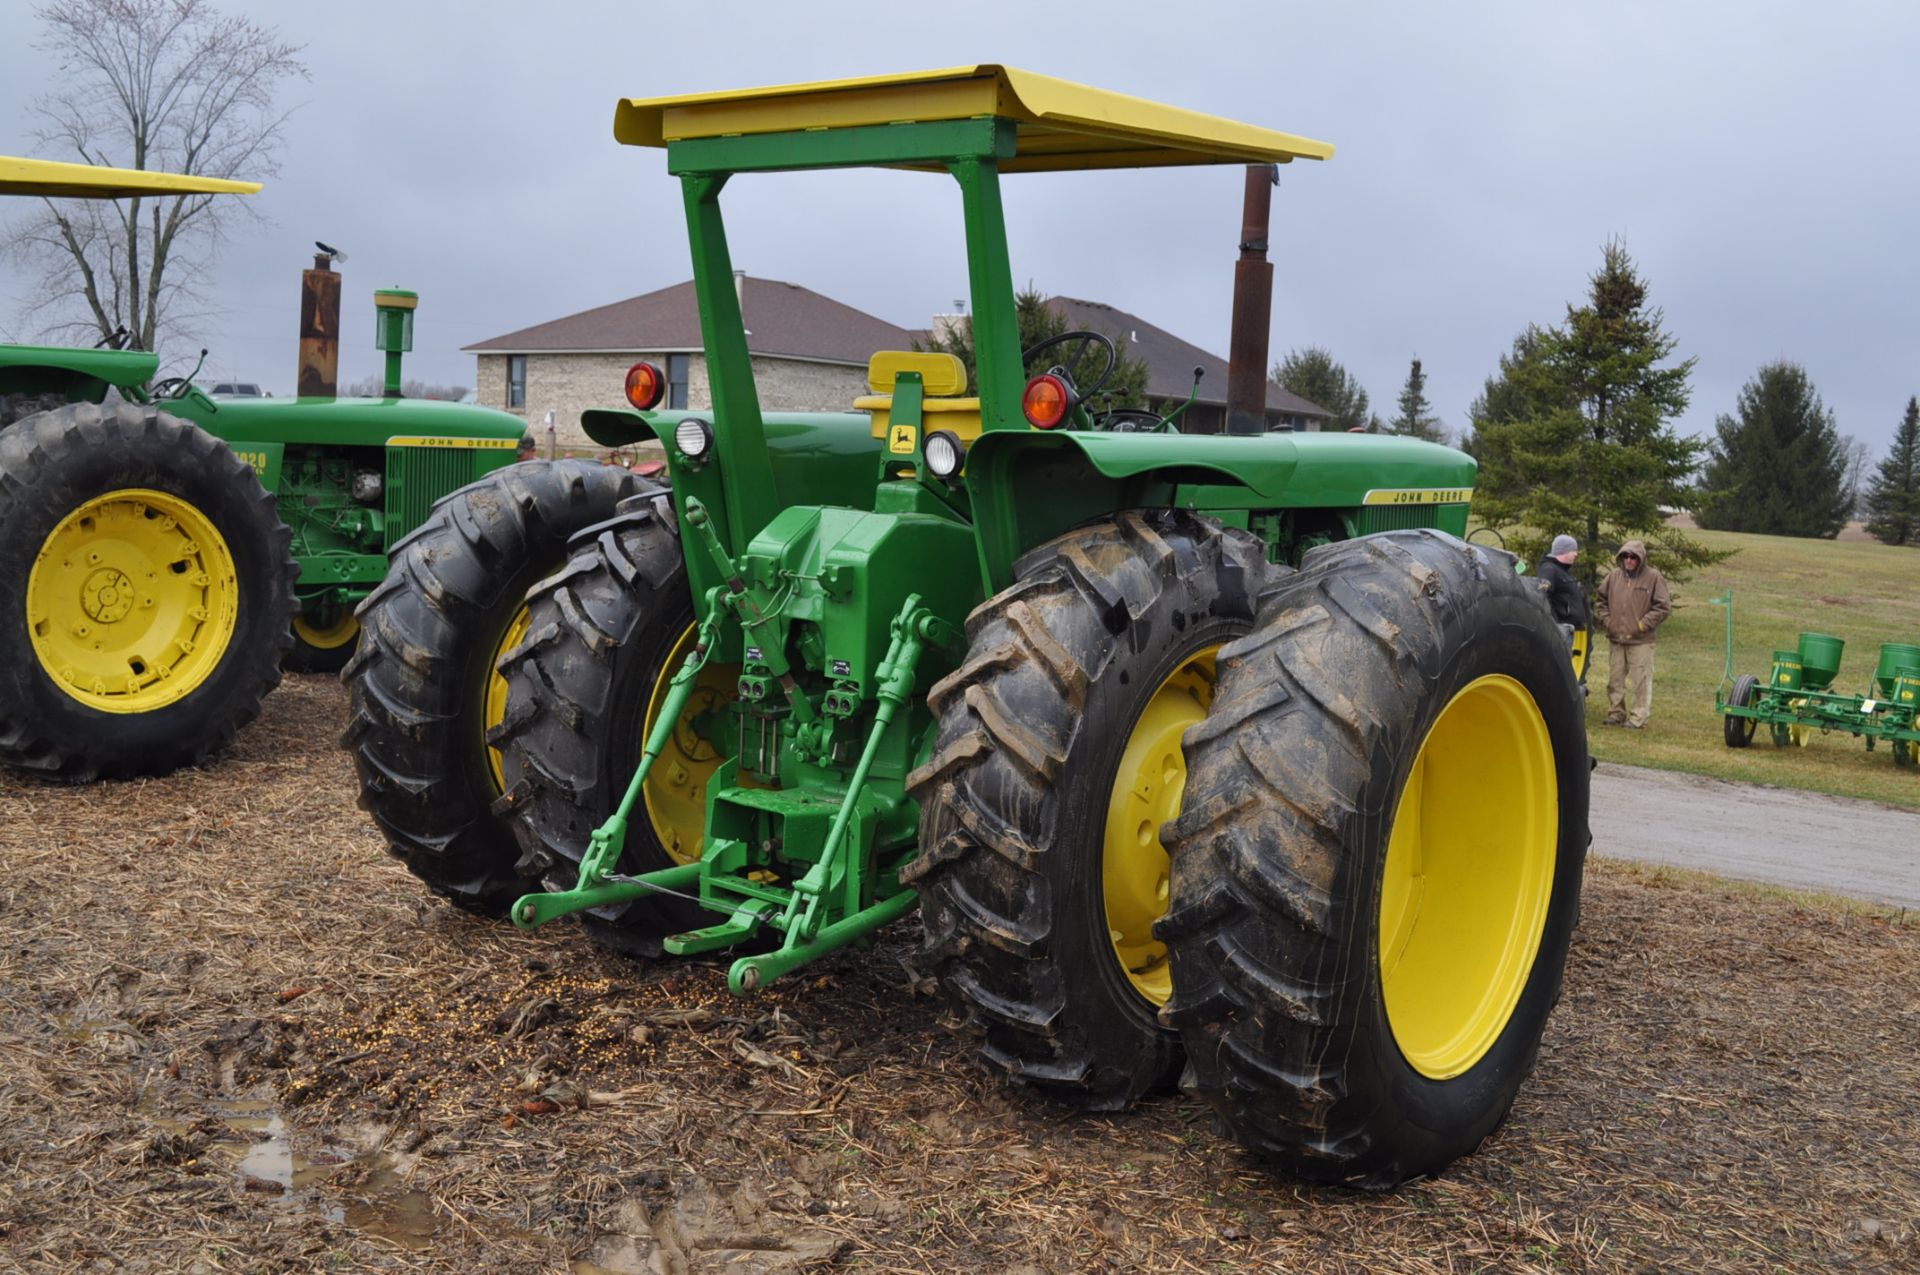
column 54, row 179
column 1062, row 125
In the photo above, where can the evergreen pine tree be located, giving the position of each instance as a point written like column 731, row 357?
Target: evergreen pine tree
column 1893, row 501
column 1313, row 375
column 1778, row 466
column 1416, row 418
column 1574, row 434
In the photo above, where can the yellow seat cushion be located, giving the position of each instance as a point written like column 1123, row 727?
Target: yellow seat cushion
column 942, row 374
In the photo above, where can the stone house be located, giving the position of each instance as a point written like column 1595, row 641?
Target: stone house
column 809, row 354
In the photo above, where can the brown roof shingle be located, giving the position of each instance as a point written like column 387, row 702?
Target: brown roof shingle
column 782, row 319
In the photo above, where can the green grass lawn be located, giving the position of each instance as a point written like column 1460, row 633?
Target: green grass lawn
column 1865, row 593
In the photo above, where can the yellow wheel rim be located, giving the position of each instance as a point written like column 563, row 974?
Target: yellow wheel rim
column 1147, row 787
column 327, row 637
column 132, row 601
column 1469, row 876
column 676, row 790
column 495, row 710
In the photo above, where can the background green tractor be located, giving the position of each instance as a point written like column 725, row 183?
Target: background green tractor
column 162, row 555
column 1207, row 757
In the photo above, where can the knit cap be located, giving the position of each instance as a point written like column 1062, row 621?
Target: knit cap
column 1562, row 544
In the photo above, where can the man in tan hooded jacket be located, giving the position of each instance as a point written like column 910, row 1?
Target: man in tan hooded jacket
column 1630, row 605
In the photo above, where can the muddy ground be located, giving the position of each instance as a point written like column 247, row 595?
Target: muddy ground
column 234, row 1036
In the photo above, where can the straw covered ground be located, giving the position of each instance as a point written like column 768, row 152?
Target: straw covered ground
column 235, row 1036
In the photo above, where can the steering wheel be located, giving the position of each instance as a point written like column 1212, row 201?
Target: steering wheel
column 172, row 387
column 1082, row 342
column 114, row 340
column 1131, row 420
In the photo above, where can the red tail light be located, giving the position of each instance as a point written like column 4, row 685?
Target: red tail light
column 1046, row 401
column 645, row 385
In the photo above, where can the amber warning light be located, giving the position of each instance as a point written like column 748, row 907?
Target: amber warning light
column 645, row 384
column 1046, row 401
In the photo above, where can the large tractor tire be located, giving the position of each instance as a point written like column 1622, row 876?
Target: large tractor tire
column 606, row 635
column 423, row 687
column 1057, row 761
column 1377, row 867
column 150, row 585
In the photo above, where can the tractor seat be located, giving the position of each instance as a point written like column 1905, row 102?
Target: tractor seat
column 943, row 377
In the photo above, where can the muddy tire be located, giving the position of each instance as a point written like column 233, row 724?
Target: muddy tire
column 1739, row 731
column 1041, row 732
column 605, row 634
column 422, row 687
column 149, row 586
column 1399, row 744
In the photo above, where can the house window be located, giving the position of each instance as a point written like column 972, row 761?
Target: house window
column 516, row 380
column 677, row 365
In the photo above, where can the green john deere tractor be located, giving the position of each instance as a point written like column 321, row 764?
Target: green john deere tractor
column 161, row 557
column 1218, row 760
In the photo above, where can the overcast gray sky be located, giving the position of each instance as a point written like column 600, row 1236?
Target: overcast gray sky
column 1758, row 159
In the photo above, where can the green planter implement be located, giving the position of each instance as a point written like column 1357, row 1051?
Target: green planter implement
column 1796, row 699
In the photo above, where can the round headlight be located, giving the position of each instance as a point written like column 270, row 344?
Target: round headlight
column 368, row 486
column 694, row 438
column 944, row 453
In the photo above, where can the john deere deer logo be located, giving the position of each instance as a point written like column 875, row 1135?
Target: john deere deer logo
column 900, row 440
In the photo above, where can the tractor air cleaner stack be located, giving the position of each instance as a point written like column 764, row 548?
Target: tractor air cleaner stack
column 393, row 330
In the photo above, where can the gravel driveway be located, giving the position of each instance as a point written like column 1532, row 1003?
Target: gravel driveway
column 1752, row 832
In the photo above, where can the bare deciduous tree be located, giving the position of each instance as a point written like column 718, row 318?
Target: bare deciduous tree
column 1859, row 461
column 168, row 85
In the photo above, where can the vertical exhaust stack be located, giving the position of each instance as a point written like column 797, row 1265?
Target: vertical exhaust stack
column 319, row 372
column 1252, row 307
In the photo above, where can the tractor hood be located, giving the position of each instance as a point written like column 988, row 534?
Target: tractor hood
column 372, row 422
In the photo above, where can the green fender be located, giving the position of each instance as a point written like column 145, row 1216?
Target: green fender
column 81, row 376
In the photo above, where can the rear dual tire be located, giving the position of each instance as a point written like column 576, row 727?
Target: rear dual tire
column 423, row 692
column 605, row 634
column 1398, row 745
column 1037, row 869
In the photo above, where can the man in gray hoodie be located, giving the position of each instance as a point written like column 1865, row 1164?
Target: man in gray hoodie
column 1630, row 605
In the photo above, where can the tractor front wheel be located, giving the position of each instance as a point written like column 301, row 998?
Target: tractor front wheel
column 323, row 639
column 422, row 684
column 1377, row 866
column 1057, row 761
column 151, row 586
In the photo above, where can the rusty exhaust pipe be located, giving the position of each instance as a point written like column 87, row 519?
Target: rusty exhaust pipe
column 1252, row 307
column 319, row 371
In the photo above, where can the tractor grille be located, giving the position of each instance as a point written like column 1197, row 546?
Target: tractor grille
column 1395, row 518
column 418, row 476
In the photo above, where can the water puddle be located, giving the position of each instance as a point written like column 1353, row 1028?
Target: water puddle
column 377, row 1202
